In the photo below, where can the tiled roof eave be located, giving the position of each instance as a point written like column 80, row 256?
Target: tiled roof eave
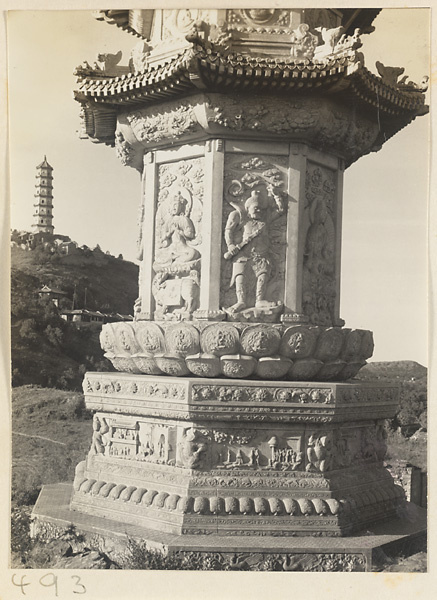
column 373, row 91
column 218, row 71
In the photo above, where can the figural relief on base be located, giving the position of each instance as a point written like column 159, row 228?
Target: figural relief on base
column 254, row 237
column 319, row 268
column 176, row 283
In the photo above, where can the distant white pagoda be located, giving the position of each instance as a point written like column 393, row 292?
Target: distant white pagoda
column 43, row 214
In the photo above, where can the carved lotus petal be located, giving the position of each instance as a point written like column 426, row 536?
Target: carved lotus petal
column 182, row 340
column 334, row 505
column 306, row 506
column 125, row 340
column 107, row 338
column 97, row 487
column 350, row 370
column 220, row 339
column 125, row 364
column 216, row 505
column 276, row 506
column 321, row 507
column 367, row 345
column 159, row 499
column 291, row 506
column 304, row 369
column 150, row 337
column 171, row 501
column 115, row 492
column 147, row 499
column 330, row 370
column 146, row 364
column 353, row 340
column 246, row 505
column 127, row 493
column 260, row 340
column 299, row 341
column 87, row 485
column 261, row 506
column 274, row 367
column 231, row 505
column 137, row 495
column 237, row 365
column 185, row 505
column 201, row 505
column 204, row 365
column 172, row 365
column 78, row 482
column 329, row 344
column 105, row 490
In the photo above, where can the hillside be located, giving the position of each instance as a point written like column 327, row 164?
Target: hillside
column 393, row 370
column 111, row 283
column 45, row 349
column 412, row 380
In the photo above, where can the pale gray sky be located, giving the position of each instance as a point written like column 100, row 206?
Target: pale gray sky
column 384, row 277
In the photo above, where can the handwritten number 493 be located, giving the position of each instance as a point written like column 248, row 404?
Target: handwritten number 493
column 49, row 580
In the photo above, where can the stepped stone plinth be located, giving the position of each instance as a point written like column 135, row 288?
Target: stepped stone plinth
column 232, row 411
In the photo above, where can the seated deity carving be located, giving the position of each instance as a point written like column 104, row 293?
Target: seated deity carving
column 177, row 231
column 176, row 283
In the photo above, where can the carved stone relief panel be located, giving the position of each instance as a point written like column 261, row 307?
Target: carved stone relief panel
column 176, row 282
column 254, row 449
column 254, row 237
column 319, row 260
column 258, row 19
column 178, row 23
column 169, row 122
column 259, row 114
column 157, row 443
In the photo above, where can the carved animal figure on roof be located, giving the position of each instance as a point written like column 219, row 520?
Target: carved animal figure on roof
column 330, row 37
column 389, row 75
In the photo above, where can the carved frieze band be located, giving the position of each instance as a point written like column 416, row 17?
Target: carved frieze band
column 232, row 505
column 227, row 449
column 320, row 123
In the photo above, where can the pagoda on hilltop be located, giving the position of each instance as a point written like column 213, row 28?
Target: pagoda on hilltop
column 43, row 214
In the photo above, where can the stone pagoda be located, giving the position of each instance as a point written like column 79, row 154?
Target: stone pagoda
column 44, row 199
column 232, row 412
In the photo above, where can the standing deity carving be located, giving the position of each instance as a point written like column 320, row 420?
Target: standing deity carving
column 251, row 235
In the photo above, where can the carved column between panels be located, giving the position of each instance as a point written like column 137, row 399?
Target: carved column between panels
column 209, row 301
column 147, row 239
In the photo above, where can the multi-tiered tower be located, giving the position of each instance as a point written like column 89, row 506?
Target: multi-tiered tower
column 232, row 413
column 44, row 199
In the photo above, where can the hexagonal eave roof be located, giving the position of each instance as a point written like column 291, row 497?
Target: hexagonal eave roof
column 203, row 66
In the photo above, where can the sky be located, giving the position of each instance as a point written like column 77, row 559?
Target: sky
column 384, row 245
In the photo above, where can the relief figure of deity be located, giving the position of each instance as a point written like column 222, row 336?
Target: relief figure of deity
column 176, row 283
column 247, row 237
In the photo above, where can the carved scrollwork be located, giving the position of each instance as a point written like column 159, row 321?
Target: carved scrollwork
column 319, row 267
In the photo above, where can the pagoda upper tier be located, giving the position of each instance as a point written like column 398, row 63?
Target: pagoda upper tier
column 261, row 52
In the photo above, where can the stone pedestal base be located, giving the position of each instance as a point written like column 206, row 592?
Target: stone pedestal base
column 362, row 552
column 232, row 457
